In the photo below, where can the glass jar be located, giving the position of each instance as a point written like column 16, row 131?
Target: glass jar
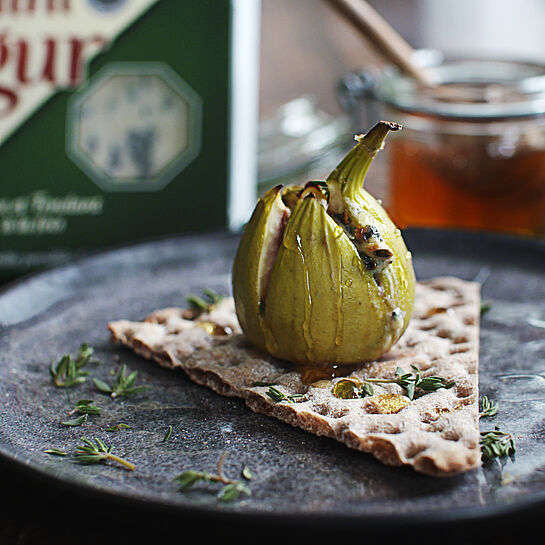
column 300, row 142
column 472, row 151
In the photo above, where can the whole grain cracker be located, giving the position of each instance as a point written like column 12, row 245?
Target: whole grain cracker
column 436, row 433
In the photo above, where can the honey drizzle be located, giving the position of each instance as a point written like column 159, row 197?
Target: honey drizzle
column 312, row 373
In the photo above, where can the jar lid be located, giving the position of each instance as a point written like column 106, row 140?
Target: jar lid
column 476, row 89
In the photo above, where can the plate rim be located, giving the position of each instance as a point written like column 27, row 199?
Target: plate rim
column 487, row 514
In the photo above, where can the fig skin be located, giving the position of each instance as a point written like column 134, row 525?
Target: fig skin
column 256, row 252
column 304, row 290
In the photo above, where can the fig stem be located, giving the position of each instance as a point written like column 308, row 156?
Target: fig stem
column 351, row 171
column 374, row 139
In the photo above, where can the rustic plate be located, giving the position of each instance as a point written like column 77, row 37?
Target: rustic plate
column 298, row 478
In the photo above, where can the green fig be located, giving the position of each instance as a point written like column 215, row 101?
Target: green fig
column 321, row 274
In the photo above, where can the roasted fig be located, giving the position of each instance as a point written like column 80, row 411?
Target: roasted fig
column 321, row 274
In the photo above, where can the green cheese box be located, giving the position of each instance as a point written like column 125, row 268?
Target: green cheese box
column 122, row 121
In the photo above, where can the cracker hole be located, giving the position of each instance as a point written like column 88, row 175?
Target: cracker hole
column 326, row 410
column 465, row 400
column 428, row 418
column 159, row 320
column 463, row 391
column 391, row 428
column 392, row 431
column 450, row 435
column 459, row 350
column 431, row 416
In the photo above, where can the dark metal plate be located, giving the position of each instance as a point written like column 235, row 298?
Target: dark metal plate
column 297, row 477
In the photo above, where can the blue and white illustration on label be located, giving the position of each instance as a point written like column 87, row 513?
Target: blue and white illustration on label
column 107, row 5
column 134, row 126
column 46, row 47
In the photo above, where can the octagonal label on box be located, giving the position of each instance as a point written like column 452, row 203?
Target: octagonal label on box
column 134, row 126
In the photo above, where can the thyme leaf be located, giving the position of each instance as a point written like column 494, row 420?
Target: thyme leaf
column 167, row 434
column 119, row 427
column 68, row 372
column 122, row 386
column 85, row 406
column 206, row 302
column 188, row 478
column 93, row 453
column 102, row 386
column 55, row 452
column 488, row 408
column 231, row 489
column 485, row 307
column 276, row 395
column 247, row 474
column 84, row 355
column 78, row 421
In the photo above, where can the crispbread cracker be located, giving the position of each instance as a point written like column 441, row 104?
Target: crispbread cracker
column 437, row 433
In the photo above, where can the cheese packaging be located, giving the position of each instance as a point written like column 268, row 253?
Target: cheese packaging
column 123, row 121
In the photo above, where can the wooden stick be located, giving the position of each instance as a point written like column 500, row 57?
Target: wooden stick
column 383, row 36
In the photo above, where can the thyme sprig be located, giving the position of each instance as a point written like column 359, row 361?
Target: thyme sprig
column 231, row 489
column 497, row 444
column 412, row 382
column 93, row 453
column 68, row 372
column 123, row 385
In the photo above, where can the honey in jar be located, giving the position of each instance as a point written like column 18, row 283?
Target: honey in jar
column 472, row 150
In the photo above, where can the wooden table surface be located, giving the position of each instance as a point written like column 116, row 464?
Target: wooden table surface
column 305, row 48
